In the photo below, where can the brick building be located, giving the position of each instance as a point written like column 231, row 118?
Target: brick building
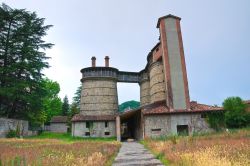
column 164, row 95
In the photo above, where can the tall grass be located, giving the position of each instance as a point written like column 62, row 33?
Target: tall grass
column 57, row 149
column 216, row 149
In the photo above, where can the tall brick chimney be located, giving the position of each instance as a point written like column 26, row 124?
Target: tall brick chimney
column 93, row 59
column 106, row 61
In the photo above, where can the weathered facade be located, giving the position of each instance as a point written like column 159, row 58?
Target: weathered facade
column 164, row 94
column 58, row 124
column 13, row 124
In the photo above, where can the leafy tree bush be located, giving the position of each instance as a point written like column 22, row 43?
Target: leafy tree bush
column 11, row 134
column 77, row 97
column 236, row 115
column 216, row 120
column 65, row 106
column 52, row 104
column 22, row 60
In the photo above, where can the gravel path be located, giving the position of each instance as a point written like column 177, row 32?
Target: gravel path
column 133, row 153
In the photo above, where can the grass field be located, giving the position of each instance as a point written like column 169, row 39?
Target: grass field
column 220, row 149
column 57, row 149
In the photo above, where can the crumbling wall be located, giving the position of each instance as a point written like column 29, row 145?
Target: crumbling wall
column 13, row 124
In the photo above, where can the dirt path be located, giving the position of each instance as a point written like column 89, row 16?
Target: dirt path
column 133, row 153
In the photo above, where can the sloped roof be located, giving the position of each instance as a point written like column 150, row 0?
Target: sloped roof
column 59, row 119
column 197, row 106
column 80, row 117
column 167, row 16
column 161, row 108
column 247, row 101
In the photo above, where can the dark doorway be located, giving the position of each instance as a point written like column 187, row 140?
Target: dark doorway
column 131, row 125
column 182, row 130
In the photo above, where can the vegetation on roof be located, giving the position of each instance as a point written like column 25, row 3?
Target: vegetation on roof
column 129, row 105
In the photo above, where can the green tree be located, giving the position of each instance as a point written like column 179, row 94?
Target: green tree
column 52, row 104
column 77, row 97
column 216, row 120
column 236, row 115
column 65, row 106
column 129, row 105
column 73, row 110
column 22, row 59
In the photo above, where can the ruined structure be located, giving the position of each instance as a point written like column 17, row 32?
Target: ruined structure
column 164, row 95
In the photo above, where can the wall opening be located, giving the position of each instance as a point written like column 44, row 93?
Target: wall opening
column 128, row 92
column 182, row 130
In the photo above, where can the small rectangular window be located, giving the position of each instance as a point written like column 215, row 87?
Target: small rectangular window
column 155, row 129
column 106, row 133
column 106, row 124
column 182, row 130
column 87, row 133
column 203, row 115
column 89, row 124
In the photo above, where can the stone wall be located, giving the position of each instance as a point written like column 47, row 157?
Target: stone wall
column 156, row 125
column 58, row 127
column 79, row 129
column 99, row 97
column 144, row 93
column 7, row 124
column 157, row 86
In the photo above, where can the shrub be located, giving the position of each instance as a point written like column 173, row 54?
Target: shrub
column 11, row 134
column 216, row 120
column 236, row 115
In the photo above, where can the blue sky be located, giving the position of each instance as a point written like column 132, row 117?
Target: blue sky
column 215, row 33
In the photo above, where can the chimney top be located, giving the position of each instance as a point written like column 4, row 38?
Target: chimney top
column 167, row 16
column 93, row 59
column 106, row 61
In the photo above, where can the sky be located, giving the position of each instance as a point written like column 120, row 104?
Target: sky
column 215, row 33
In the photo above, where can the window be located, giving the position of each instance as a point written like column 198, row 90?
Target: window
column 107, row 133
column 156, row 131
column 89, row 124
column 182, row 130
column 87, row 133
column 106, row 124
column 203, row 115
